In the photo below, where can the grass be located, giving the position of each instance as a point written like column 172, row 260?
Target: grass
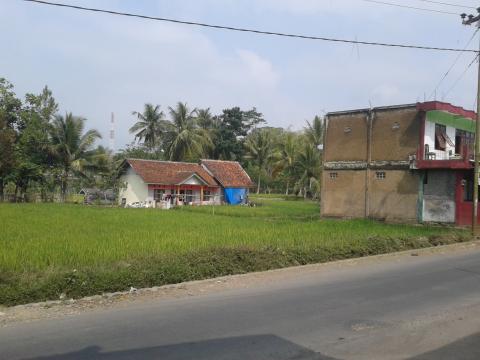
column 53, row 249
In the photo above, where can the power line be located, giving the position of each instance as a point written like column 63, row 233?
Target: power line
column 449, row 4
column 461, row 76
column 453, row 65
column 410, row 7
column 254, row 31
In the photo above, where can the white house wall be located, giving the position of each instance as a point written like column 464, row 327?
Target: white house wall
column 133, row 188
column 430, row 140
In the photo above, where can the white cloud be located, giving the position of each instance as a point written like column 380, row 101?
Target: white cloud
column 259, row 69
column 386, row 93
column 96, row 64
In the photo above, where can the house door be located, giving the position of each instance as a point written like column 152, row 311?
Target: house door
column 189, row 196
column 464, row 198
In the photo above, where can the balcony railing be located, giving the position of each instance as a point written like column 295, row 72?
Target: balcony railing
column 466, row 154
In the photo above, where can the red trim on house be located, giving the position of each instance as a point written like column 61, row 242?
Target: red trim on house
column 421, row 150
column 441, row 106
column 444, row 164
column 181, row 187
column 463, row 209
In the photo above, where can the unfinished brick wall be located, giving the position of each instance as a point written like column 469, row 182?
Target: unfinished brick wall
column 395, row 134
column 394, row 197
column 346, row 138
column 344, row 194
column 362, row 143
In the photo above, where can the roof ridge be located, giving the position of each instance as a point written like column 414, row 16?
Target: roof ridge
column 163, row 161
column 230, row 161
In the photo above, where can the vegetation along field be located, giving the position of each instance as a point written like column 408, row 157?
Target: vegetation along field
column 52, row 249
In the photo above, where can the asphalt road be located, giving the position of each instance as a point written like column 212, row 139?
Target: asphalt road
column 409, row 307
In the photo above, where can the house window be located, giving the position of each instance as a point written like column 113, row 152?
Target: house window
column 207, row 195
column 158, row 194
column 459, row 140
column 440, row 137
column 380, row 175
column 463, row 139
column 333, row 175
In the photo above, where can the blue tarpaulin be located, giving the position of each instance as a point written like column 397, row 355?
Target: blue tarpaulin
column 235, row 196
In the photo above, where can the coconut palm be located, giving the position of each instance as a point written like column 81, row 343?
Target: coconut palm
column 204, row 118
column 261, row 151
column 287, row 157
column 149, row 126
column 71, row 148
column 314, row 131
column 308, row 165
column 184, row 139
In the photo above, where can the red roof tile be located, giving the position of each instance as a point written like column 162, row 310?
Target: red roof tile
column 168, row 172
column 229, row 174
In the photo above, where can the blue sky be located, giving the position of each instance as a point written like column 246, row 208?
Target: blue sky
column 97, row 64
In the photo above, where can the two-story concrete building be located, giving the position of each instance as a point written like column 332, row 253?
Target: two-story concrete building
column 408, row 163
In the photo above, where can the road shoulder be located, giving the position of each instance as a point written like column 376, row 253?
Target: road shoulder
column 70, row 307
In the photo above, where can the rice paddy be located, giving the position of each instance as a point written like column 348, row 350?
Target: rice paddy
column 52, row 249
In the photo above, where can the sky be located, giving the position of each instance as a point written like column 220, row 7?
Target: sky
column 97, row 64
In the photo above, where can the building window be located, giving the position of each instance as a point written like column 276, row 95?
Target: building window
column 463, row 139
column 333, row 175
column 207, row 195
column 380, row 175
column 158, row 194
column 460, row 135
column 440, row 137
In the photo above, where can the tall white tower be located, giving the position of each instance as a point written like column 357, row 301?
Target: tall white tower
column 112, row 133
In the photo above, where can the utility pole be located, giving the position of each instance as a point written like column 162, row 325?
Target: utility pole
column 469, row 20
column 112, row 133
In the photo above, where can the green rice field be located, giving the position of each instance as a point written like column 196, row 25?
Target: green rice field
column 51, row 249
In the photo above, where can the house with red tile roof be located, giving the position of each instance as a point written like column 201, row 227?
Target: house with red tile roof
column 231, row 177
column 165, row 184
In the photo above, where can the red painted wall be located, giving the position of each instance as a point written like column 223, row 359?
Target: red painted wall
column 463, row 209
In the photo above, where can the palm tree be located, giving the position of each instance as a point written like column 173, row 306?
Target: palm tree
column 149, row 126
column 72, row 148
column 314, row 131
column 261, row 150
column 308, row 164
column 184, row 139
column 287, row 158
column 204, row 118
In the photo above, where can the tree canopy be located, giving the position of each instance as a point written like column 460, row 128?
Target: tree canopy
column 47, row 153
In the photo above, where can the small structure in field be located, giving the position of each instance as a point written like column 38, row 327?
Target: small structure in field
column 164, row 184
column 97, row 196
